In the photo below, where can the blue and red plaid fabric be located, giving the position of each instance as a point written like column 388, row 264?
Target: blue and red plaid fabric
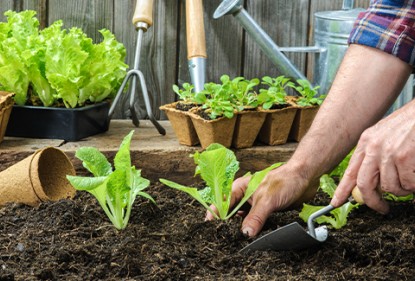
column 388, row 25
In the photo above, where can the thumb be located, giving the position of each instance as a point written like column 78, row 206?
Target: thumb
column 256, row 219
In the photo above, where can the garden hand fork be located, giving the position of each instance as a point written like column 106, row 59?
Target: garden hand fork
column 142, row 20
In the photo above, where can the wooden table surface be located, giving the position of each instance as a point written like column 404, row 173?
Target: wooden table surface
column 158, row 156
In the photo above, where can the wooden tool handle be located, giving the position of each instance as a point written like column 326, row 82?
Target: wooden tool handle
column 357, row 196
column 195, row 29
column 143, row 12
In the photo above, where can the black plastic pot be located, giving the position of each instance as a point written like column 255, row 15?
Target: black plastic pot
column 69, row 124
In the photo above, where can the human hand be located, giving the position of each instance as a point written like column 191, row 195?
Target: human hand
column 383, row 161
column 281, row 189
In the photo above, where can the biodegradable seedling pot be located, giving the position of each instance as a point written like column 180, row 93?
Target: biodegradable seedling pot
column 182, row 124
column 70, row 124
column 302, row 122
column 277, row 125
column 247, row 126
column 219, row 130
column 6, row 105
column 38, row 178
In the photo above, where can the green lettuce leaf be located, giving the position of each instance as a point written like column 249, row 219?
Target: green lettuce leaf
column 55, row 64
column 94, row 161
column 217, row 166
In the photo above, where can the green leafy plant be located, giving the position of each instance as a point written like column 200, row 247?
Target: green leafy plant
column 308, row 94
column 217, row 166
column 115, row 190
column 338, row 217
column 328, row 185
column 187, row 95
column 216, row 99
column 54, row 65
column 276, row 93
column 242, row 92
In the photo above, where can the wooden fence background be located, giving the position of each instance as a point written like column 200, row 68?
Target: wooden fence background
column 163, row 57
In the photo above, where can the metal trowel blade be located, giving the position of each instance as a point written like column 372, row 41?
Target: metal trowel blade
column 289, row 237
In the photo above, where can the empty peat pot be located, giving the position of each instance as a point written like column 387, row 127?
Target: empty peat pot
column 38, row 178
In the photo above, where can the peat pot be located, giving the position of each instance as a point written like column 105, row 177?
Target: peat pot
column 69, row 124
column 182, row 124
column 6, row 105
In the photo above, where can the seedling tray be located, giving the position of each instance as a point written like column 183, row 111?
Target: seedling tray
column 69, row 124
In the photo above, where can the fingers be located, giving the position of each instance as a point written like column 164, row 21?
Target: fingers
column 389, row 179
column 256, row 218
column 368, row 181
column 348, row 182
column 209, row 216
column 405, row 165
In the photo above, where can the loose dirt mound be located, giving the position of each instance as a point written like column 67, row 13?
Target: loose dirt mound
column 73, row 240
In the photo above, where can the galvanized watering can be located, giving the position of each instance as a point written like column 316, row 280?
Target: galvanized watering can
column 331, row 32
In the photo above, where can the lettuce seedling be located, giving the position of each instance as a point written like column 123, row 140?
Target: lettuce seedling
column 275, row 94
column 308, row 94
column 217, row 166
column 115, row 190
column 339, row 215
column 328, row 185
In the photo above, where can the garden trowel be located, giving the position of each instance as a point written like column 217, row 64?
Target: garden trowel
column 295, row 237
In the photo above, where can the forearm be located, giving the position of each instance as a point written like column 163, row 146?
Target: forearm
column 367, row 83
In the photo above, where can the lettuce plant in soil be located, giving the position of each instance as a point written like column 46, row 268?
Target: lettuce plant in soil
column 55, row 66
column 308, row 94
column 217, row 166
column 308, row 103
column 177, row 113
column 280, row 112
column 115, row 189
column 275, row 95
column 338, row 217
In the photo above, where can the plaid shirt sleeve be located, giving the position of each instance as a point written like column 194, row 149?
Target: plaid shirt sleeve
column 387, row 25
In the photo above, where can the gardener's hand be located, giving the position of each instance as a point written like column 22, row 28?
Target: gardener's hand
column 281, row 189
column 384, row 161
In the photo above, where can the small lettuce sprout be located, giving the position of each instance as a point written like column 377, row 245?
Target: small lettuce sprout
column 217, row 166
column 115, row 190
column 308, row 94
column 338, row 217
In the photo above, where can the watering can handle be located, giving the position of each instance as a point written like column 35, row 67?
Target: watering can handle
column 348, row 4
column 143, row 12
column 195, row 29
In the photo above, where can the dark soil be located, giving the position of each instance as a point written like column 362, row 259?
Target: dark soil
column 73, row 240
column 279, row 106
column 183, row 106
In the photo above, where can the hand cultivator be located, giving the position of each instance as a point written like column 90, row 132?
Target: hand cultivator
column 142, row 20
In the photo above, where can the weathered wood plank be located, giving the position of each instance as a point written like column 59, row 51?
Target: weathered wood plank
column 5, row 6
column 285, row 21
column 158, row 156
column 90, row 16
column 40, row 7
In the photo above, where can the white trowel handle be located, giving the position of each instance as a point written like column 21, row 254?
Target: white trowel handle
column 195, row 29
column 143, row 12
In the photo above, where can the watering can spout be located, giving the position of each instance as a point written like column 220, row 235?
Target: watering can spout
column 271, row 50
